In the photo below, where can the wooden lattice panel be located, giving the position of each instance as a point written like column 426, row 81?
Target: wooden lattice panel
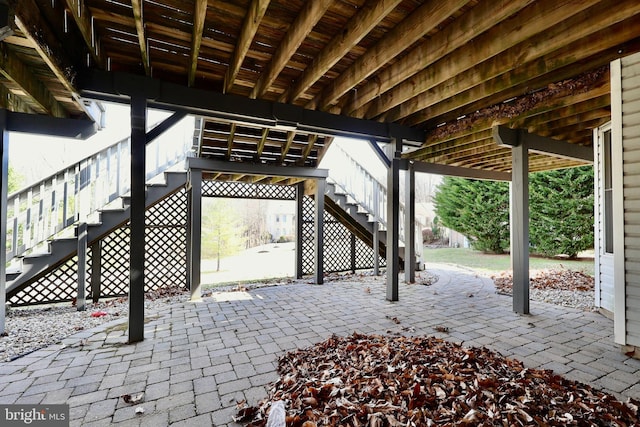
column 241, row 190
column 337, row 244
column 115, row 263
column 58, row 286
column 165, row 264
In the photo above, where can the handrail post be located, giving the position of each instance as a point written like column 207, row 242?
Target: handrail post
column 4, row 177
column 82, row 266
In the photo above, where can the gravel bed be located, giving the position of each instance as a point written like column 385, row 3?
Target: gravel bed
column 575, row 299
column 31, row 328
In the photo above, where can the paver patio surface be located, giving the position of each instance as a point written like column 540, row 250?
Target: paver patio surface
column 199, row 359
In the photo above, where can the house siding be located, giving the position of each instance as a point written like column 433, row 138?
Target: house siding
column 630, row 125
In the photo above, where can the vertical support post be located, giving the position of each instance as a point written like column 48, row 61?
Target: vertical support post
column 188, row 231
column 195, row 184
column 319, row 232
column 4, row 178
column 409, row 225
column 393, row 226
column 299, row 229
column 137, row 223
column 519, row 220
column 96, row 270
column 376, row 229
column 353, row 252
column 82, row 266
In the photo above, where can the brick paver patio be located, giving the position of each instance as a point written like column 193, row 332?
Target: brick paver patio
column 199, row 359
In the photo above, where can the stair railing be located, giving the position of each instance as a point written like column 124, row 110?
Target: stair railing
column 359, row 184
column 76, row 193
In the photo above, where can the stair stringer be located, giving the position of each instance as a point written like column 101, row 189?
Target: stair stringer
column 60, row 251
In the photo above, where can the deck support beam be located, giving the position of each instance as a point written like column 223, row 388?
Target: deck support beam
column 137, row 221
column 376, row 234
column 195, row 233
column 393, row 226
column 319, row 232
column 517, row 140
column 82, row 267
column 4, row 178
column 96, row 270
column 520, row 228
column 299, row 229
column 409, row 224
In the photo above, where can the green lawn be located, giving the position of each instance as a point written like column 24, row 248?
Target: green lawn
column 496, row 263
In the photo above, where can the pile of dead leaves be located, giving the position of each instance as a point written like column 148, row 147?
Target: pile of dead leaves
column 372, row 380
column 561, row 279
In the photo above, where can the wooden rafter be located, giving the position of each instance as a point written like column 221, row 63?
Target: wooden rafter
column 495, row 42
column 301, row 27
column 598, row 103
column 263, row 140
column 309, row 147
column 458, row 34
column 357, row 28
column 138, row 15
column 419, row 23
column 287, row 146
column 543, row 57
column 11, row 102
column 494, row 92
column 251, row 23
column 199, row 15
column 29, row 21
column 230, row 141
column 549, row 100
column 84, row 21
column 443, row 148
column 19, row 74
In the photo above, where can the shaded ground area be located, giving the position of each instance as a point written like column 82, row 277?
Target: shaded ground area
column 199, row 359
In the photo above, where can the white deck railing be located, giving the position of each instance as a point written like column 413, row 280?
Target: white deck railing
column 358, row 183
column 44, row 209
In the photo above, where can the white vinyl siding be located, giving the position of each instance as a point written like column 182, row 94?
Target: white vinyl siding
column 628, row 125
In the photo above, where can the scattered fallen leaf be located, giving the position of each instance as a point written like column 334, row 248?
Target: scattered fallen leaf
column 440, row 328
column 99, row 313
column 133, row 399
column 139, row 410
column 394, row 319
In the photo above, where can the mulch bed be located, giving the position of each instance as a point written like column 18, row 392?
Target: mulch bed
column 560, row 279
column 374, row 380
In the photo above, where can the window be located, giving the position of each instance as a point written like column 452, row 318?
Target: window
column 607, row 220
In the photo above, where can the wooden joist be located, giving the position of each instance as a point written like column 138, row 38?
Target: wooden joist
column 301, row 27
column 359, row 26
column 138, row 15
column 251, row 23
column 458, row 34
column 494, row 44
column 199, row 16
column 427, row 17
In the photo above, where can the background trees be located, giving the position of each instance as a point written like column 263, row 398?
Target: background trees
column 477, row 209
column 560, row 204
column 221, row 229
column 561, row 219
